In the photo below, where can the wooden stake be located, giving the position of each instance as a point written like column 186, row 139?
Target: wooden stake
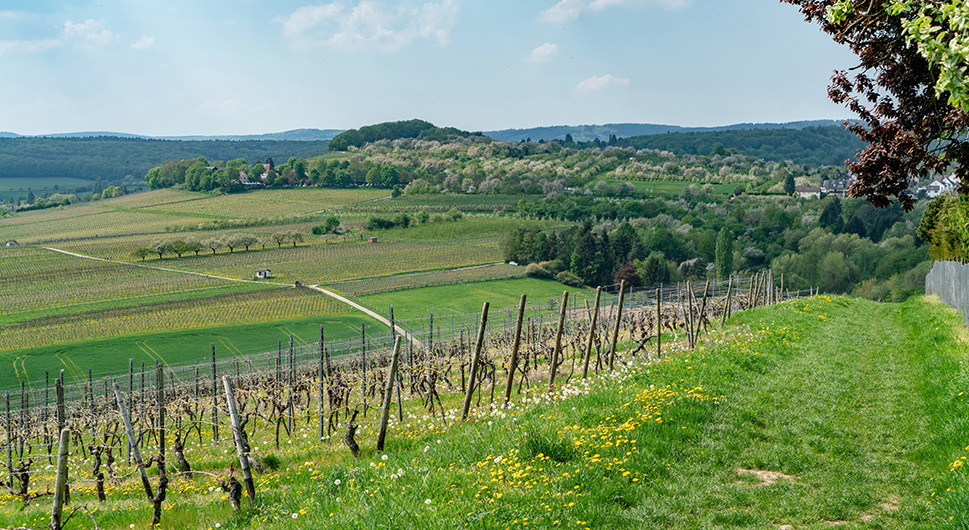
column 473, row 373
column 615, row 327
column 592, row 334
column 132, row 442
column 237, row 436
column 60, row 482
column 659, row 323
column 513, row 362
column 388, row 393
column 558, row 341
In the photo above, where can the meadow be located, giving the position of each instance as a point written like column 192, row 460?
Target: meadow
column 17, row 187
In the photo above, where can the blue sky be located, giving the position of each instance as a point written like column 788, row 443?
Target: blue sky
column 180, row 67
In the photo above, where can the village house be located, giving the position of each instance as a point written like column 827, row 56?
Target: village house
column 262, row 274
column 837, row 187
column 806, row 192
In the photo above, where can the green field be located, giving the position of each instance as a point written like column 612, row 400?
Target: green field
column 53, row 301
column 17, row 187
column 671, row 187
column 463, row 302
column 110, row 356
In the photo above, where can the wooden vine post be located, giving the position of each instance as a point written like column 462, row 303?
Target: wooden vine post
column 473, row 373
column 558, row 341
column 133, row 442
column 726, row 307
column 388, row 393
column 215, row 400
column 238, row 437
column 615, row 327
column 513, row 362
column 659, row 323
column 592, row 333
column 60, row 483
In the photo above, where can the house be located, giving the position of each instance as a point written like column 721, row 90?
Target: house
column 806, row 192
column 299, row 283
column 940, row 185
column 262, row 274
column 12, row 244
column 371, row 240
column 837, row 186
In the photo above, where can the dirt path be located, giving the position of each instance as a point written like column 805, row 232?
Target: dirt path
column 317, row 288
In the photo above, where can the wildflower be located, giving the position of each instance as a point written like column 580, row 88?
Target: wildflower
column 383, row 457
column 337, row 482
column 427, row 501
column 295, row 515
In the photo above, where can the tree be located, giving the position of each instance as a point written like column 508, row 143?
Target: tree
column 142, row 253
column 789, row 186
column 831, row 215
column 180, row 247
column 232, row 241
column 162, row 247
column 909, row 91
column 247, row 240
column 724, row 254
column 279, row 238
column 294, row 236
column 213, row 244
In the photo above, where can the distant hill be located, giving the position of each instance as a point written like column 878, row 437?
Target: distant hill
column 394, row 130
column 295, row 135
column 588, row 133
column 113, row 158
column 820, row 146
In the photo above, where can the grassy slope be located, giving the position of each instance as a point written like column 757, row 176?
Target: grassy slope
column 856, row 407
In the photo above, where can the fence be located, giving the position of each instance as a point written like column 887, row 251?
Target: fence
column 950, row 281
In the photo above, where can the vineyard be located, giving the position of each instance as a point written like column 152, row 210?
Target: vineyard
column 186, row 417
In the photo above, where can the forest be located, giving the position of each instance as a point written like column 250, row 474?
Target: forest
column 113, row 158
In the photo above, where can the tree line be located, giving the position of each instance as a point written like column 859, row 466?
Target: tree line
column 233, row 242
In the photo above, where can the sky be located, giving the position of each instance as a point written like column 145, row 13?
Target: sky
column 186, row 67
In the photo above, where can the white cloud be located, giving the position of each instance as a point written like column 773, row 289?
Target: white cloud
column 90, row 33
column 545, row 52
column 566, row 10
column 143, row 43
column 600, row 83
column 563, row 11
column 370, row 24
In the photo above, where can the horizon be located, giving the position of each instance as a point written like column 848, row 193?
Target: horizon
column 268, row 133
column 226, row 68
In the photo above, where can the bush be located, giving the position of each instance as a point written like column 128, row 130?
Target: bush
column 567, row 278
column 536, row 270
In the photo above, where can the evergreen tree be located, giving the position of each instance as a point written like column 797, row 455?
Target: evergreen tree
column 789, row 187
column 724, row 254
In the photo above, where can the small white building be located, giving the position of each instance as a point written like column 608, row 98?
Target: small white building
column 806, row 192
column 12, row 244
column 262, row 274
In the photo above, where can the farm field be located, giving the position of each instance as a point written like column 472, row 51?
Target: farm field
column 397, row 282
column 17, row 187
column 109, row 356
column 813, row 413
column 462, row 303
column 53, row 300
column 670, row 187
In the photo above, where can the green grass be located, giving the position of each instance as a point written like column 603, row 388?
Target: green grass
column 17, row 187
column 466, row 299
column 812, row 414
column 110, row 356
column 671, row 187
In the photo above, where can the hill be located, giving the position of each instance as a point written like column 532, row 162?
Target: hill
column 394, row 131
column 820, row 146
column 112, row 158
column 298, row 135
column 588, row 133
